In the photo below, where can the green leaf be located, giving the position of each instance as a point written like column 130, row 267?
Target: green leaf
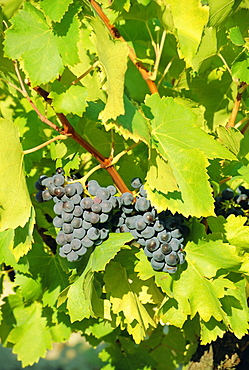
column 203, row 261
column 235, row 36
column 82, row 298
column 160, row 176
column 47, row 271
column 124, row 299
column 107, row 250
column 68, row 35
column 220, row 10
column 207, row 48
column 15, row 204
column 55, row 9
column 236, row 232
column 30, row 288
column 240, row 67
column 131, row 125
column 30, row 332
column 30, row 40
column 6, row 256
column 185, row 147
column 113, row 57
column 230, row 138
column 189, row 20
column 235, row 305
column 211, row 330
column 23, row 238
column 68, row 99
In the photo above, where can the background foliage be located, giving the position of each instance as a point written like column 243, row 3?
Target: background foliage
column 159, row 92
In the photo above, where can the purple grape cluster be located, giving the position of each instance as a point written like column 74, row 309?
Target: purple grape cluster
column 232, row 202
column 85, row 221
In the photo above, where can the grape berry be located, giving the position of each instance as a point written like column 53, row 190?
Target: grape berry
column 85, row 222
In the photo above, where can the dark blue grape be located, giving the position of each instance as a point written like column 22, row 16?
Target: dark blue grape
column 46, row 196
column 57, row 222
column 93, row 233
column 152, row 244
column 79, row 233
column 78, row 211
column 227, row 194
column 136, row 183
column 86, row 203
column 166, row 248
column 142, row 204
column 148, row 232
column 76, row 222
column 58, row 180
column 76, row 244
column 68, row 206
column 172, row 259
column 127, row 199
column 67, row 217
column 70, row 190
column 67, row 228
column 157, row 265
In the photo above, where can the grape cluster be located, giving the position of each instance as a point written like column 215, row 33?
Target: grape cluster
column 230, row 202
column 85, row 221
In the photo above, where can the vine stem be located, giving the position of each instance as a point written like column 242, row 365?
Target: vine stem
column 115, row 33
column 241, row 89
column 32, row 150
column 68, row 130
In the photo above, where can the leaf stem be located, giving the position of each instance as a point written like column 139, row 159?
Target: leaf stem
column 84, row 178
column 225, row 63
column 32, row 150
column 121, row 154
column 115, row 33
column 241, row 89
column 86, row 73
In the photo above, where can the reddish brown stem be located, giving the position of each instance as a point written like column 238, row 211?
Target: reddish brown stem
column 235, row 110
column 70, row 131
column 115, row 33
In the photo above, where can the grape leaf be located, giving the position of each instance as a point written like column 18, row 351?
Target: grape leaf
column 30, row 332
column 131, row 125
column 220, row 10
column 189, row 20
column 47, row 271
column 235, row 36
column 204, row 260
column 159, row 175
column 82, row 298
column 240, row 67
column 68, row 35
column 231, row 138
column 55, row 9
column 30, row 288
column 235, row 305
column 6, row 256
column 211, row 330
column 236, row 232
column 30, row 40
column 207, row 48
column 15, row 204
column 185, row 147
column 23, row 237
column 113, row 56
column 124, row 299
column 68, row 100
column 108, row 249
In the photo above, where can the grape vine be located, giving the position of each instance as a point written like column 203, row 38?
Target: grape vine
column 124, row 203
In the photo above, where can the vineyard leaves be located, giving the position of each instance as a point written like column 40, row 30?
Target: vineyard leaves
column 15, row 204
